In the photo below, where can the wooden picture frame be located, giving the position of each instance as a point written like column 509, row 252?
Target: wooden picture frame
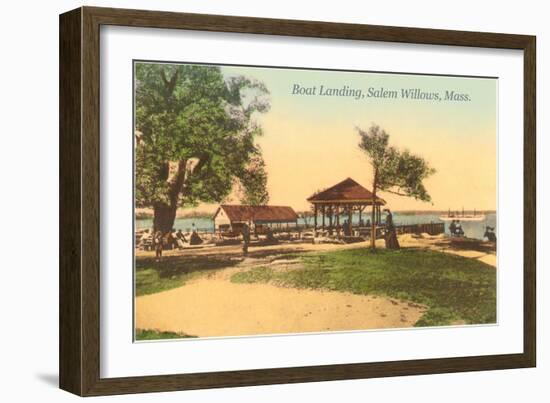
column 79, row 348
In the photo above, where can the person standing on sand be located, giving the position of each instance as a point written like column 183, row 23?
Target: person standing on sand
column 158, row 242
column 246, row 238
column 390, row 236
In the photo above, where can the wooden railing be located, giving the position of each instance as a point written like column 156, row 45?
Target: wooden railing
column 433, row 228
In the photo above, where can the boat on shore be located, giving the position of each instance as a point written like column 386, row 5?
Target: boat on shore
column 450, row 216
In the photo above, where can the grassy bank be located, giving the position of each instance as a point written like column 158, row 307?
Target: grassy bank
column 152, row 334
column 174, row 271
column 454, row 288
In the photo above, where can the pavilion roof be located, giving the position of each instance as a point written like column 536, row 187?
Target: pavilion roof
column 347, row 191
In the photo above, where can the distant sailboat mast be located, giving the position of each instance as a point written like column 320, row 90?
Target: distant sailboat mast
column 463, row 217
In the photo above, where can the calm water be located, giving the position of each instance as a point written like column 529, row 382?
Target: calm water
column 472, row 229
column 185, row 224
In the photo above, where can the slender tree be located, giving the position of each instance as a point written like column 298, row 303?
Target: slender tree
column 195, row 137
column 394, row 171
column 253, row 183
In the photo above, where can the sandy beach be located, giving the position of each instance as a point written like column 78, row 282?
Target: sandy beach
column 214, row 306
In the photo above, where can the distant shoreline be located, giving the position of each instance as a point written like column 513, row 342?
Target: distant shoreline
column 426, row 212
column 147, row 213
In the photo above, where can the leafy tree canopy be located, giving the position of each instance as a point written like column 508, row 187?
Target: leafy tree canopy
column 195, row 135
column 395, row 171
column 254, row 183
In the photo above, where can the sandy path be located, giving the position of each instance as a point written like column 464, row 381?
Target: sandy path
column 209, row 307
column 444, row 244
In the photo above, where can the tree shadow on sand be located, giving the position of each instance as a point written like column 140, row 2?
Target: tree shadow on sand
column 177, row 265
column 173, row 271
column 275, row 253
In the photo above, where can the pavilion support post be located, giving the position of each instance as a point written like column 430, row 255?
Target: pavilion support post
column 323, row 214
column 315, row 216
column 350, row 216
column 331, row 212
column 373, row 226
column 337, row 216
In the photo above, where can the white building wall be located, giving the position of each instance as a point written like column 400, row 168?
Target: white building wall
column 221, row 219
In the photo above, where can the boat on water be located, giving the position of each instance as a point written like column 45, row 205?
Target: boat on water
column 462, row 217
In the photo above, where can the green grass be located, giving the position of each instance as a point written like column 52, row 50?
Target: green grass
column 151, row 334
column 152, row 277
column 454, row 288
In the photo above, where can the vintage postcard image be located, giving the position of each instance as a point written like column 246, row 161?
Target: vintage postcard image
column 284, row 200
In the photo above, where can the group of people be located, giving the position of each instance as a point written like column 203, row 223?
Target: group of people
column 173, row 239
column 390, row 233
column 347, row 226
column 169, row 240
column 455, row 228
column 246, row 233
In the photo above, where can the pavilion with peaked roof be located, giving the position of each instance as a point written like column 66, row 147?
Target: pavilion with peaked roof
column 344, row 198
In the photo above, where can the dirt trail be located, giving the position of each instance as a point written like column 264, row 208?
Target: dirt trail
column 214, row 306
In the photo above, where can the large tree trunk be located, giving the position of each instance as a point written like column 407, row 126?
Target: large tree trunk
column 164, row 217
column 165, row 213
